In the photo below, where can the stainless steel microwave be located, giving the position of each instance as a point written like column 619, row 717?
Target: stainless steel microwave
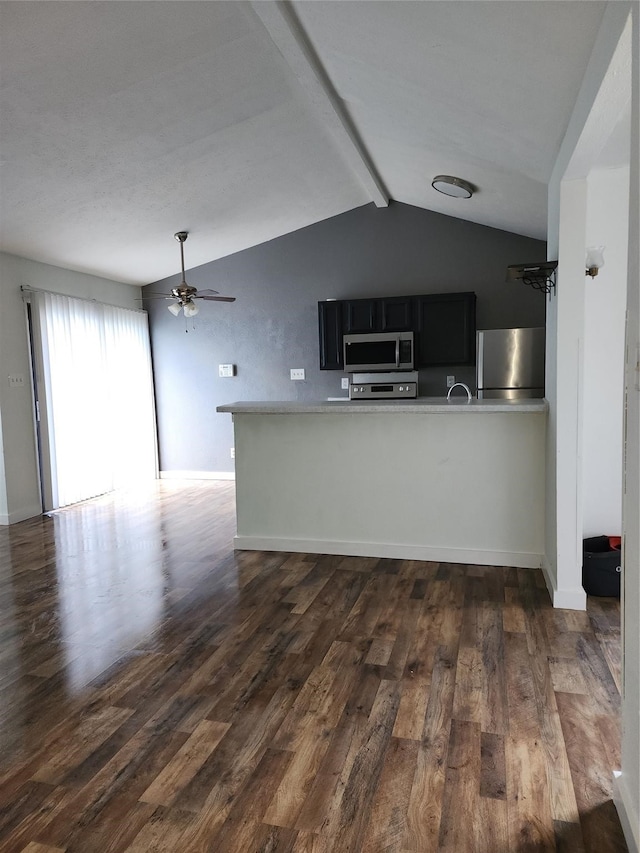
column 378, row 351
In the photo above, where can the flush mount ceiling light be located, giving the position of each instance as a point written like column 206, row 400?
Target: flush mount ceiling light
column 454, row 187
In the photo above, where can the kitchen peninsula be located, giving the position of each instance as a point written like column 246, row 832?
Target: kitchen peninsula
column 421, row 479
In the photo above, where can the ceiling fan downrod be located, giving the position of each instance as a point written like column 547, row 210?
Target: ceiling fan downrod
column 181, row 236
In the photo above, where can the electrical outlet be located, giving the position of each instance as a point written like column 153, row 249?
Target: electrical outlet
column 233, row 453
column 16, row 381
column 297, row 372
column 345, row 383
column 451, row 380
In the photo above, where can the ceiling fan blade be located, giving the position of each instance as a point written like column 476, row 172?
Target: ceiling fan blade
column 157, row 296
column 217, row 298
column 208, row 291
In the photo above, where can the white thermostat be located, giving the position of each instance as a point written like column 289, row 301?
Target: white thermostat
column 226, row 370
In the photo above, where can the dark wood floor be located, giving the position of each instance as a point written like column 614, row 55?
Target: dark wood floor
column 159, row 692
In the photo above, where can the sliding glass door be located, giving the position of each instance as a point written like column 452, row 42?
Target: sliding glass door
column 95, row 392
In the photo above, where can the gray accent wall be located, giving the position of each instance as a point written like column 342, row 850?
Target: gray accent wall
column 273, row 325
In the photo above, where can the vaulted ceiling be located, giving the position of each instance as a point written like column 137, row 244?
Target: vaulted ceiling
column 123, row 122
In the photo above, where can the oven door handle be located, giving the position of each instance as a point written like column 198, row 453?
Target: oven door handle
column 397, row 351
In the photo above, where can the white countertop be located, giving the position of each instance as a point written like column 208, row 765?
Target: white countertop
column 422, row 405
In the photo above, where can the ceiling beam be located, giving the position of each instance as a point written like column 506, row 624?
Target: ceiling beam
column 291, row 40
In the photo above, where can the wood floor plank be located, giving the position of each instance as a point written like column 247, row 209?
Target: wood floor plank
column 321, row 793
column 493, row 770
column 494, row 691
column 395, row 666
column 34, row 824
column 590, row 772
column 357, row 798
column 185, row 763
column 468, row 699
column 163, row 693
column 490, row 825
column 387, row 824
column 566, row 675
column 162, row 833
column 562, row 796
column 425, row 799
column 461, row 792
column 244, row 823
column 94, row 729
column 289, row 796
column 513, row 618
column 528, row 806
column 27, row 800
column 568, row 837
column 413, row 707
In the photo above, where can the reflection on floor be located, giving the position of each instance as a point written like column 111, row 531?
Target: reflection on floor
column 161, row 692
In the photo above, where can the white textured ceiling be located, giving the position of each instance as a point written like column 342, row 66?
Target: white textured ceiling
column 123, row 122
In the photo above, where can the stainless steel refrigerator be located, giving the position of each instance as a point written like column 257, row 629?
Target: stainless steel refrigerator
column 510, row 363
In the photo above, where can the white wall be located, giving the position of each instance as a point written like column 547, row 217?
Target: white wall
column 19, row 487
column 564, row 554
column 629, row 783
column 612, row 76
column 604, row 94
column 3, row 485
column 605, row 302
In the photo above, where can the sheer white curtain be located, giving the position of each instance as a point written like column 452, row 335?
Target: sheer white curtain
column 97, row 417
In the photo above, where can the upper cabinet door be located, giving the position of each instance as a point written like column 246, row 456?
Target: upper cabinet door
column 360, row 315
column 446, row 329
column 330, row 327
column 396, row 314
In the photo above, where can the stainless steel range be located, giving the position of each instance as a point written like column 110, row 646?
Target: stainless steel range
column 396, row 385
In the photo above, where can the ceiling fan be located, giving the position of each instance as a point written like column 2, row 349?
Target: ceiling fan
column 183, row 295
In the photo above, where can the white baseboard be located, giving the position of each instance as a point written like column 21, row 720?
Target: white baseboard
column 570, row 599
column 565, row 599
column 628, row 812
column 385, row 549
column 197, row 475
column 20, row 515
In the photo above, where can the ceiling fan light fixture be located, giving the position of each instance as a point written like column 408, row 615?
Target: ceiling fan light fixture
column 190, row 309
column 174, row 308
column 451, row 186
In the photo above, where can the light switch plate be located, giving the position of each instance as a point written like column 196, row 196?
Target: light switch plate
column 297, row 372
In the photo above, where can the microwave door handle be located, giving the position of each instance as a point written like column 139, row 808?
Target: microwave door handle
column 398, row 351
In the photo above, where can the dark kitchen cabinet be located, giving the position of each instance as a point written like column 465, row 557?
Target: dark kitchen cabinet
column 396, row 313
column 359, row 315
column 444, row 325
column 330, row 323
column 446, row 329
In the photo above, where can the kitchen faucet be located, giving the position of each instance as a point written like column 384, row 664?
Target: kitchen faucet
column 462, row 385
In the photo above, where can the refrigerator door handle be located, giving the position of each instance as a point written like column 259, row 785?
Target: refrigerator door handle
column 480, row 360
